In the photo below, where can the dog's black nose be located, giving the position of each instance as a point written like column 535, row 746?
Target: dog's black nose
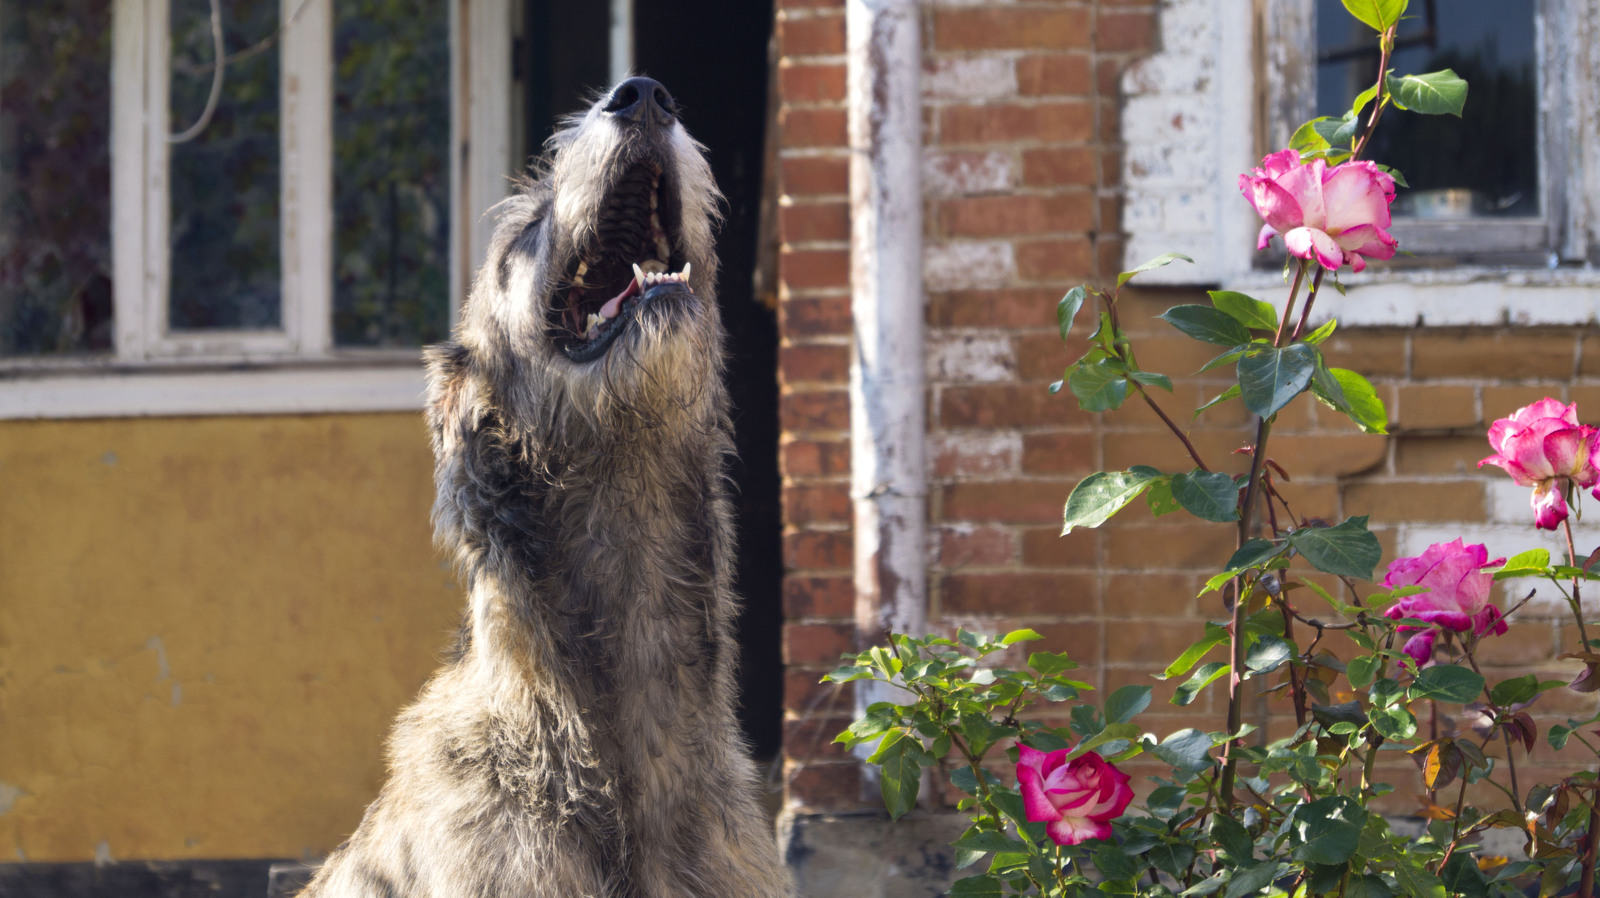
column 642, row 99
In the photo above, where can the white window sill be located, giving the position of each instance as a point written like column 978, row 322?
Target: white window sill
column 1459, row 297
column 122, row 393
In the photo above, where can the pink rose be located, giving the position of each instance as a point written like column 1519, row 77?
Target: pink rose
column 1543, row 446
column 1078, row 798
column 1337, row 215
column 1457, row 598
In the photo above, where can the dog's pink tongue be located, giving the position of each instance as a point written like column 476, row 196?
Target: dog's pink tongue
column 613, row 305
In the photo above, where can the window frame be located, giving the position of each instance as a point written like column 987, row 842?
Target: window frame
column 297, row 367
column 1223, row 63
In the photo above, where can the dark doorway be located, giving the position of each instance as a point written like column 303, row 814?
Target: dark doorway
column 712, row 56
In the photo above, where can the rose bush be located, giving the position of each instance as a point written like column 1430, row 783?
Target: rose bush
column 1335, row 215
column 1543, row 446
column 1457, row 578
column 1078, row 798
column 1386, row 671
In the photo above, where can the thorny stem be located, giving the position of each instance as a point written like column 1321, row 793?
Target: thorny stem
column 1311, row 297
column 1591, row 839
column 1577, row 600
column 1193, row 453
column 1247, row 525
column 1381, row 98
column 1511, row 757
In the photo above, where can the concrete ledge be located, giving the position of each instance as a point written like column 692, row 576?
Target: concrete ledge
column 869, row 856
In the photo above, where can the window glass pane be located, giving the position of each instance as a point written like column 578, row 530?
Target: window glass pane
column 225, row 234
column 391, row 174
column 55, row 176
column 1486, row 162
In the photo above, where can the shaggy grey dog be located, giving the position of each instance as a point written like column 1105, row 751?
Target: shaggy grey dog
column 582, row 740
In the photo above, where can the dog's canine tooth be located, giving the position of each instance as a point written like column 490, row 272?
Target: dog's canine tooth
column 566, row 748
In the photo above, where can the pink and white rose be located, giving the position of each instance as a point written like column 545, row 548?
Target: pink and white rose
column 1335, row 215
column 1543, row 446
column 1457, row 599
column 1077, row 798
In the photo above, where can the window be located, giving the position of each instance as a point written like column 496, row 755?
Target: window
column 1514, row 207
column 318, row 228
column 1476, row 191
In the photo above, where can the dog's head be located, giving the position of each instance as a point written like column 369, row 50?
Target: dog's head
column 597, row 296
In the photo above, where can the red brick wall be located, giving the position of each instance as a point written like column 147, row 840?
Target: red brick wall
column 1022, row 201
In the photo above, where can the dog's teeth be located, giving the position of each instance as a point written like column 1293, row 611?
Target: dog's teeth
column 638, row 274
column 655, row 202
column 685, row 273
column 663, row 249
column 653, row 266
column 583, row 268
column 655, row 219
column 577, row 281
column 594, row 322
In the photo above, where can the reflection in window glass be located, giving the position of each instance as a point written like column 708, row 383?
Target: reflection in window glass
column 55, row 176
column 1486, row 162
column 225, row 233
column 391, row 175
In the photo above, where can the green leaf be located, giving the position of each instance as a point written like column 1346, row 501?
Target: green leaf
column 1231, row 836
column 1016, row 636
column 1348, row 549
column 984, row 885
column 1336, row 131
column 847, row 673
column 1126, row 702
column 1206, row 324
column 1048, row 664
column 1158, row 262
column 1532, row 563
column 900, row 778
column 1362, row 670
column 1067, row 309
column 1415, row 881
column 1187, row 749
column 1448, row 683
column 1515, row 690
column 1328, row 830
column 1247, row 310
column 1316, row 337
column 1346, row 391
column 1114, row 863
column 1462, row 877
column 1252, row 879
column 1436, row 93
column 1307, row 139
column 1371, row 885
column 1215, row 635
column 1376, row 14
column 1362, row 99
column 1208, row 495
column 1100, row 387
column 1190, row 689
column 1394, row 723
column 1102, row 494
column 1232, row 392
column 1266, row 654
column 1159, row 498
column 1114, row 732
column 987, row 841
column 1151, row 379
column 1171, row 858
column 1399, row 179
column 1226, row 358
column 1269, row 378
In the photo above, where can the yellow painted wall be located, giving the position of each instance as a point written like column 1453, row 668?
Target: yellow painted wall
column 206, row 627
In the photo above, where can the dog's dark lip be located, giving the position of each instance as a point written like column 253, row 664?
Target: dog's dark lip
column 594, row 349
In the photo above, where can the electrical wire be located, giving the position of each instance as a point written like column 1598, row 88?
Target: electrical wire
column 216, row 80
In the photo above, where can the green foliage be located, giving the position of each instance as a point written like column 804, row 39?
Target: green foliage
column 1232, row 813
column 1436, row 93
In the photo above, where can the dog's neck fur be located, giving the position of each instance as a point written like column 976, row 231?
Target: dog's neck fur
column 571, row 544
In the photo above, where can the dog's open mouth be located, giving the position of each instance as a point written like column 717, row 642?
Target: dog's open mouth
column 611, row 280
